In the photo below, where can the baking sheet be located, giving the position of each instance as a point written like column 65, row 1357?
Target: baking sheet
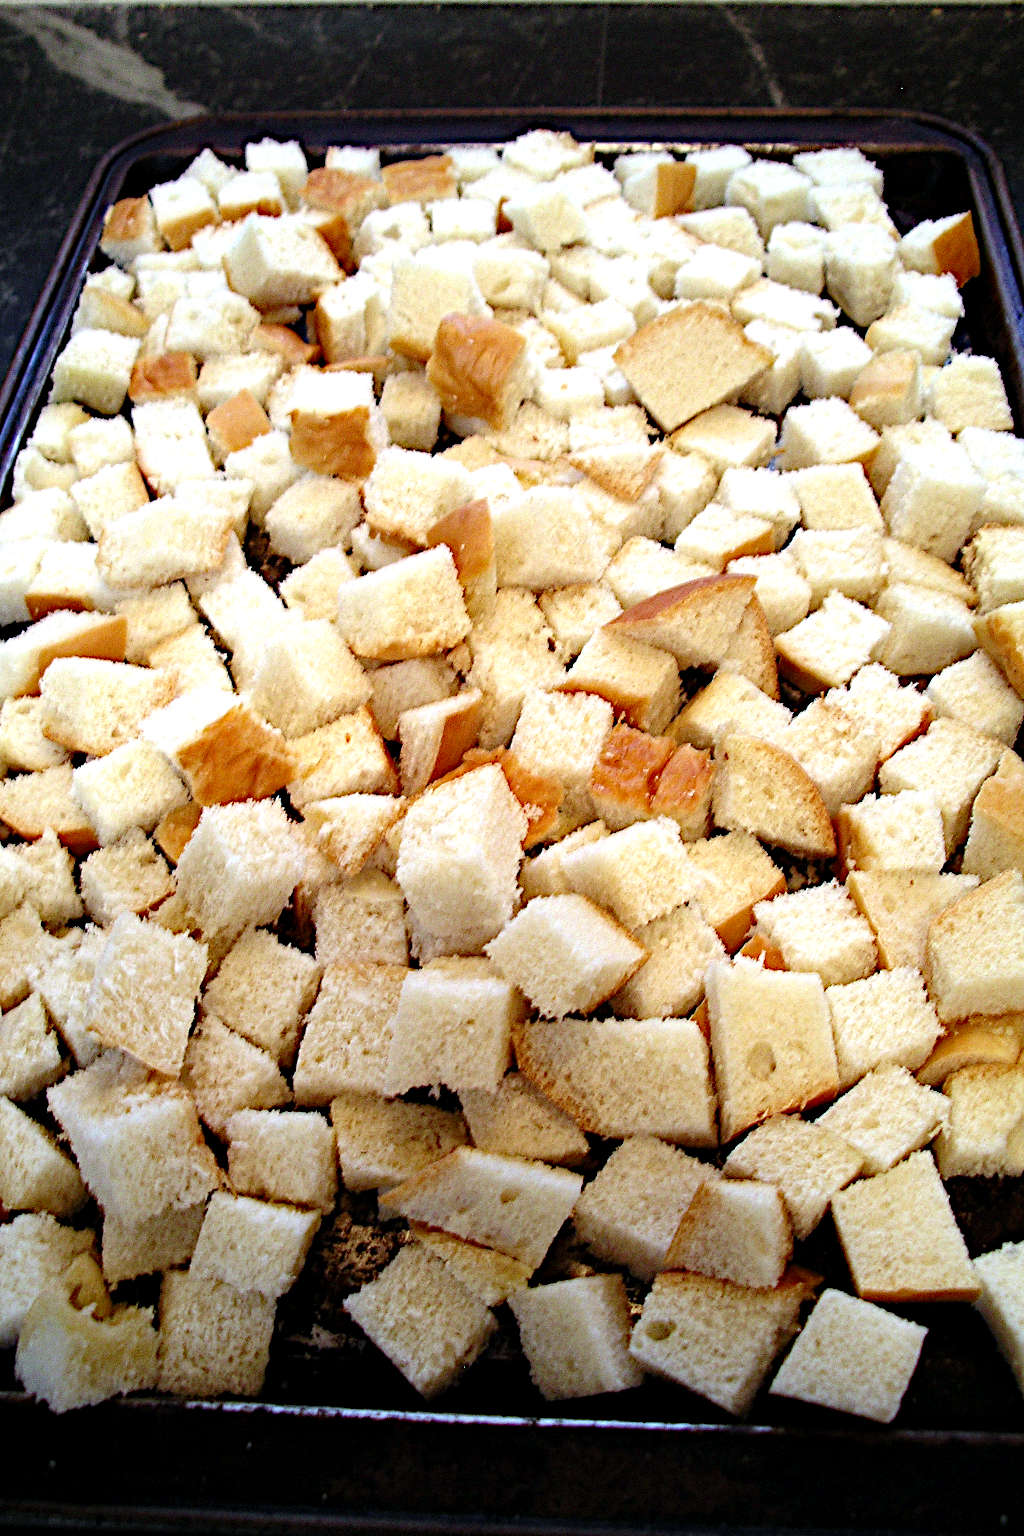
column 337, row 1428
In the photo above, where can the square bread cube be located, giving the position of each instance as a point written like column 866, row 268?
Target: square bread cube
column 347, row 1031
column 634, row 873
column 565, row 954
column 900, row 1236
column 734, row 1229
column 500, row 1202
column 239, row 867
column 253, row 1245
column 819, row 929
column 886, row 1116
column 382, row 1142
column 852, row 1356
column 35, row 1250
column 263, row 988
column 1000, row 1273
column 452, row 1027
column 30, row 1058
column 623, row 1077
column 283, row 1154
column 713, row 1337
column 983, row 1133
column 628, row 1212
column 144, row 990
column 430, row 1325
column 225, row 1072
column 575, row 1334
column 771, row 1042
column 886, row 1017
column 214, row 1339
column 35, row 1174
column 135, row 1136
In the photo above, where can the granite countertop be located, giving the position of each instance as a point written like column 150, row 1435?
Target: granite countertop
column 77, row 80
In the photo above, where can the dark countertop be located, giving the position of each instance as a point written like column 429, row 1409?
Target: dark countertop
column 76, row 80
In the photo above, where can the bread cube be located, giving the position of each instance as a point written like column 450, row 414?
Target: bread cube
column 831, row 644
column 594, row 1071
column 972, row 954
column 517, row 1120
column 94, row 370
column 30, row 1057
column 35, row 1251
column 263, row 989
column 993, row 562
column 670, row 982
column 883, row 1018
column 818, row 929
column 900, row 1237
column 361, row 918
column 424, row 1319
column 981, row 1136
column 283, row 1155
column 347, row 1032
column 831, row 361
column 770, row 1040
column 501, row 1202
column 136, row 1138
column 72, row 1353
column 35, row 1175
column 861, row 264
column 628, row 1213
column 414, row 607
column 575, row 1334
column 911, row 328
column 975, row 692
column 452, row 1027
column 715, row 1338
column 886, row 1116
column 896, row 831
column 144, row 990
column 826, row 431
column 239, row 867
column 669, row 360
column 949, row 762
column 253, row 1245
column 852, row 1356
column 278, row 261
column 214, row 1339
column 566, row 954
column 382, row 1142
column 134, row 786
column 999, row 1272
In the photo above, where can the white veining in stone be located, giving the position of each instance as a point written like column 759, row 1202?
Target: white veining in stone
column 109, row 67
column 776, row 94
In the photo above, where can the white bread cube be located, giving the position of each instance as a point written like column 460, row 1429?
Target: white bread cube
column 407, row 491
column 831, row 361
column 144, row 989
column 771, row 1042
column 900, row 1237
column 306, row 677
column 827, row 431
column 819, row 929
column 969, row 392
column 772, row 191
column 911, row 328
column 459, row 857
column 132, row 786
column 807, row 1162
column 795, row 255
column 929, row 630
column 993, row 561
column 263, row 989
column 734, row 1229
column 825, row 649
column 219, row 745
column 214, row 1339
column 852, row 1356
column 253, row 1245
column 949, row 762
column 276, row 261
column 715, row 1338
column 424, row 289
column 886, row 1116
column 452, row 1027
column 72, row 1352
column 994, row 839
column 430, row 1325
column 883, row 1018
column 136, row 1138
column 35, row 1174
column 127, row 876
column 897, row 831
column 566, row 954
column 224, row 1072
column 412, row 410
column 35, row 1250
column 30, row 1058
column 671, row 980
column 975, row 692
column 628, row 1213
column 517, row 1120
column 634, row 873
column 414, row 607
column 860, row 267
column 361, row 918
column 94, row 369
column 623, row 1077
column 575, row 1334
column 972, row 957
column 283, row 1155
column 889, row 389
column 347, row 1032
column 932, row 498
column 946, row 244
column 501, row 1202
column 560, row 735
column 999, row 1273
column 382, row 1142
column 239, row 867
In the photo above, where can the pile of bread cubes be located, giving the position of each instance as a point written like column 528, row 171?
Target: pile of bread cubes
column 511, row 668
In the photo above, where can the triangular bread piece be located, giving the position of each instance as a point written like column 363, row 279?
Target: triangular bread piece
column 695, row 622
column 760, row 789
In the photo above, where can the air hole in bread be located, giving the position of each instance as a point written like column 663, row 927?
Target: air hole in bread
column 660, row 1328
column 508, row 1196
column 761, row 1061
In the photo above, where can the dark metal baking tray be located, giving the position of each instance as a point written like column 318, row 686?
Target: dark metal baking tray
column 339, row 1440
